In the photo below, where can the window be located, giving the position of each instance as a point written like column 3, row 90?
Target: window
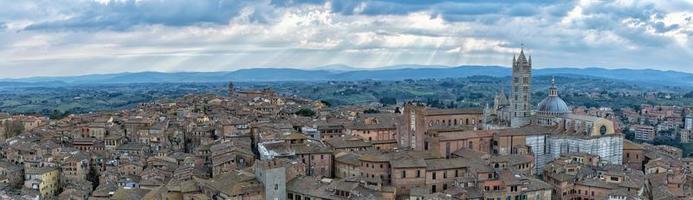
column 404, row 174
column 276, row 187
column 445, row 174
column 602, row 130
column 381, row 166
column 418, row 173
column 434, row 176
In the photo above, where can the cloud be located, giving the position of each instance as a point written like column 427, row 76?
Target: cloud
column 61, row 37
column 124, row 14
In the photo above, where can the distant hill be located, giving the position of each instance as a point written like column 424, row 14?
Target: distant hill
column 346, row 73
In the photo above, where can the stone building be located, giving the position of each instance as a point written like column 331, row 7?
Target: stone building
column 521, row 95
column 229, row 90
column 633, row 155
column 11, row 174
column 581, row 177
column 417, row 121
column 381, row 129
column 45, row 180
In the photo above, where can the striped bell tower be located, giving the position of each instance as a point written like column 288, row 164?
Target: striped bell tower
column 521, row 96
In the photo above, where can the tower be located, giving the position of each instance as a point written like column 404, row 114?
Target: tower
column 521, row 96
column 553, row 91
column 230, row 89
column 412, row 126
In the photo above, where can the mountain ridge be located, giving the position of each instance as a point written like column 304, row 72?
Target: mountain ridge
column 346, row 73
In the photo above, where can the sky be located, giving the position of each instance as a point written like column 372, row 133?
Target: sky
column 76, row 37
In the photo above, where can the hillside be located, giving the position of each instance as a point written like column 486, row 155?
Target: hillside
column 646, row 77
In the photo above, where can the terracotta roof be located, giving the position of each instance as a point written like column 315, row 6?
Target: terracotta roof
column 469, row 111
column 347, row 142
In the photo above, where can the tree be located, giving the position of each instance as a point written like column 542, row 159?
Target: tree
column 689, row 95
column 388, row 101
column 370, row 111
column 56, row 114
column 306, row 112
column 13, row 128
column 328, row 104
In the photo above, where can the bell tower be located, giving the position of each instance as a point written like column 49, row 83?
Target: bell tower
column 521, row 96
column 229, row 89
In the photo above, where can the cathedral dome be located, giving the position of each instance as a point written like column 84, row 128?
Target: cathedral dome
column 553, row 104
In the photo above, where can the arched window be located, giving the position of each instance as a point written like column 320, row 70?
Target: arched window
column 602, row 130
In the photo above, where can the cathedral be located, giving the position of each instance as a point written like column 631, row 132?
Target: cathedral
column 516, row 111
column 570, row 133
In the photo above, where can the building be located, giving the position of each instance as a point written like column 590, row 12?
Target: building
column 315, row 155
column 685, row 135
column 633, row 155
column 521, row 95
column 229, row 90
column 643, row 132
column 380, row 129
column 11, row 174
column 417, row 121
column 553, row 130
column 307, row 187
column 349, row 143
column 45, row 180
column 273, row 175
column 234, row 185
column 575, row 178
column 688, row 122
